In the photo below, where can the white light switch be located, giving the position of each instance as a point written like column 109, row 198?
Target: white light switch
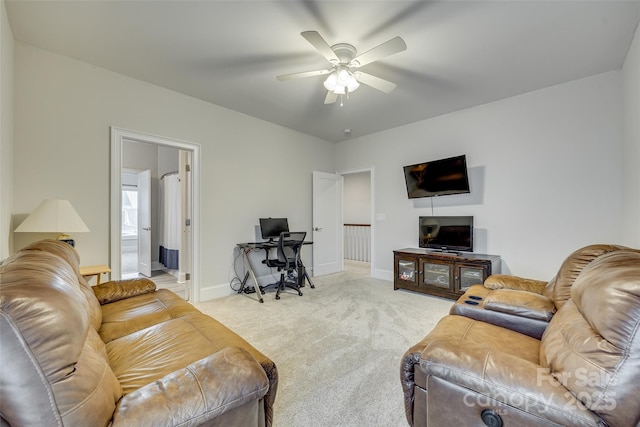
column 380, row 217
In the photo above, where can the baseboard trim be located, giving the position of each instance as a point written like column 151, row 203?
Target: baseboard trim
column 213, row 292
column 383, row 275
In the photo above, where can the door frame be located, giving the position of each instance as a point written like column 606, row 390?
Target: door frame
column 372, row 217
column 118, row 138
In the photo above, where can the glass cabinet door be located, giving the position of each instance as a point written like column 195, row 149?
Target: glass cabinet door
column 436, row 274
column 407, row 270
column 470, row 275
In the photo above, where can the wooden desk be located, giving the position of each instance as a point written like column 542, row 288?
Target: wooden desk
column 94, row 270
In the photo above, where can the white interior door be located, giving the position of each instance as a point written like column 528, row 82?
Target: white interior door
column 144, row 223
column 327, row 223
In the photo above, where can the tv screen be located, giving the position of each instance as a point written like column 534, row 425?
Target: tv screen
column 437, row 177
column 446, row 233
column 270, row 228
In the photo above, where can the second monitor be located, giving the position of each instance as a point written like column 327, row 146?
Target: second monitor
column 270, row 228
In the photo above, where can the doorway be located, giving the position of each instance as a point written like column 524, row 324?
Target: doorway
column 129, row 244
column 189, row 161
column 358, row 223
column 330, row 221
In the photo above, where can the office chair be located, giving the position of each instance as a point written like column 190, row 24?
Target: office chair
column 288, row 250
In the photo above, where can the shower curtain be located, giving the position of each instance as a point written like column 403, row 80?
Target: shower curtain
column 170, row 236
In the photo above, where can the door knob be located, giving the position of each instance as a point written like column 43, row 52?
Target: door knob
column 317, row 228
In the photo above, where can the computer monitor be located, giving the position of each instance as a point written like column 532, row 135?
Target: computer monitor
column 270, row 228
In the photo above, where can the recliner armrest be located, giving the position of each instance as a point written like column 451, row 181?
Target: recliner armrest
column 507, row 309
column 520, row 303
column 116, row 290
column 505, row 281
column 196, row 394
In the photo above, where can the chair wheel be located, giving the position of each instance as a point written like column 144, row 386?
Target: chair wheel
column 299, row 293
column 277, row 296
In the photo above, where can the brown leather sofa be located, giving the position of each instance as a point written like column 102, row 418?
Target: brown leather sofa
column 120, row 354
column 527, row 305
column 583, row 371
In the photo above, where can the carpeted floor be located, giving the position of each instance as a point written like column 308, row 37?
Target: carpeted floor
column 337, row 348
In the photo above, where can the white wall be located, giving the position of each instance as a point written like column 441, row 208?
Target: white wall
column 357, row 198
column 545, row 174
column 63, row 111
column 631, row 146
column 6, row 132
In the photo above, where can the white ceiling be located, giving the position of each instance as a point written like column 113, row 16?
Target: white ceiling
column 460, row 53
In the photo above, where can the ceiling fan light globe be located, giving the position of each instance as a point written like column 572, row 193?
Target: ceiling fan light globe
column 353, row 84
column 343, row 76
column 331, row 82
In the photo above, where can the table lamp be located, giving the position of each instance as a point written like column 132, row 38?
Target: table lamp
column 54, row 216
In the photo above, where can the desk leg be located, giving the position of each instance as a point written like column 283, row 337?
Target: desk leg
column 253, row 276
column 306, row 275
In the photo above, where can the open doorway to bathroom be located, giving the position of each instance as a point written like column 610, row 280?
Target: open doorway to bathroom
column 153, row 223
column 357, row 222
column 153, row 218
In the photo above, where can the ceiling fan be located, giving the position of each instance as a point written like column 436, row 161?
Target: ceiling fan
column 344, row 76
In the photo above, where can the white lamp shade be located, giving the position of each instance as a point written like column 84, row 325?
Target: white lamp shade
column 53, row 216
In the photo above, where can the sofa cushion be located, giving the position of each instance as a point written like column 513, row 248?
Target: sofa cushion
column 144, row 356
column 53, row 370
column 592, row 345
column 130, row 315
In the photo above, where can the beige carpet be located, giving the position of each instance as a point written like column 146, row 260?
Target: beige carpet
column 337, row 348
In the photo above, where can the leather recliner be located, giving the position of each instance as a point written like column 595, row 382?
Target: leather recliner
column 584, row 371
column 527, row 305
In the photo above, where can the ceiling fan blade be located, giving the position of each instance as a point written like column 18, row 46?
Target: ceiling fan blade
column 330, row 98
column 303, row 74
column 376, row 82
column 321, row 45
column 385, row 49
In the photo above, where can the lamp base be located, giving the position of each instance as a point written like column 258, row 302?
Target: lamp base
column 66, row 238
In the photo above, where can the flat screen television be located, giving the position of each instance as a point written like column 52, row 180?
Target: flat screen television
column 446, row 233
column 437, row 177
column 270, row 228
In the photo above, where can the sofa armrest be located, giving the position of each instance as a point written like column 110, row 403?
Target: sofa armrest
column 520, row 311
column 196, row 394
column 505, row 281
column 520, row 303
column 116, row 290
column 516, row 384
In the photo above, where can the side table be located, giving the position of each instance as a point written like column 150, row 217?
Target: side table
column 94, row 270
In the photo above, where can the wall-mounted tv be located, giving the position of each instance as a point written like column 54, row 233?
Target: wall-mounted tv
column 446, row 233
column 437, row 177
